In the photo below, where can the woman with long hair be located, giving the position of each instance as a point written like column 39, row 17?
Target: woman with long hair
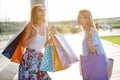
column 36, row 35
column 91, row 43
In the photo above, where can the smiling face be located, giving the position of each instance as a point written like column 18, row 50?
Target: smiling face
column 37, row 13
column 40, row 12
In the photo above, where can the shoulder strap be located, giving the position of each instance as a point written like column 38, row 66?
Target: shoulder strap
column 35, row 28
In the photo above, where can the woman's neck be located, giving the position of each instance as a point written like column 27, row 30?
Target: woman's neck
column 40, row 23
column 87, row 29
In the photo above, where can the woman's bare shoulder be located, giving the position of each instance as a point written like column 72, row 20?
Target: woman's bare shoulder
column 28, row 27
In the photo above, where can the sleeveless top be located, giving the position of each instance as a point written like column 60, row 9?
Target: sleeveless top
column 39, row 41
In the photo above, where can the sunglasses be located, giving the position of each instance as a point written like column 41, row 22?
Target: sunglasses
column 42, row 9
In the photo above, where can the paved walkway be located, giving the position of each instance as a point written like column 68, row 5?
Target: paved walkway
column 8, row 70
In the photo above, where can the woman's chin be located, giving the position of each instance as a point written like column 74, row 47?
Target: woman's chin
column 42, row 18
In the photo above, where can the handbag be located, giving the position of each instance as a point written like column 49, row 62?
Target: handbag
column 94, row 67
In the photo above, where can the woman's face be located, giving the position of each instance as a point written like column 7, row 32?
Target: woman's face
column 82, row 20
column 41, row 12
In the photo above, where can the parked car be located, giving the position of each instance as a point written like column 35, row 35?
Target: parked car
column 106, row 27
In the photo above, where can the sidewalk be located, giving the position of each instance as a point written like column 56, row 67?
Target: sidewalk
column 72, row 73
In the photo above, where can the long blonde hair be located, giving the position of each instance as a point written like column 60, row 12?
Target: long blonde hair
column 34, row 18
column 86, row 13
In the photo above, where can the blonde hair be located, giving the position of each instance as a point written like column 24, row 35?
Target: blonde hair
column 34, row 18
column 86, row 13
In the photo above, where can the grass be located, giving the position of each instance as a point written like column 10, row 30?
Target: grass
column 113, row 39
column 115, row 25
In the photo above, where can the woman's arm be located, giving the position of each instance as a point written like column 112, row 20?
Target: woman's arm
column 47, row 37
column 47, row 33
column 54, row 31
column 91, row 47
column 28, row 35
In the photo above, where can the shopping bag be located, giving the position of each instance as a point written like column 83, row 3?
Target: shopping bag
column 14, row 49
column 56, row 61
column 94, row 67
column 80, row 66
column 47, row 60
column 61, row 52
column 50, row 61
column 65, row 52
column 110, row 67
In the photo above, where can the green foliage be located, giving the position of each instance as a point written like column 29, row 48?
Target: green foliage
column 116, row 25
column 65, row 26
column 11, row 27
column 62, row 26
column 14, row 27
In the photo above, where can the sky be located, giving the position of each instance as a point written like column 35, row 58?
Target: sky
column 14, row 10
column 59, row 10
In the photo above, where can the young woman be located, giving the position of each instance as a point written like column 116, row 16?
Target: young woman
column 91, row 43
column 35, row 38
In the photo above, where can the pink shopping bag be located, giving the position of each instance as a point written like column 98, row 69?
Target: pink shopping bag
column 66, row 55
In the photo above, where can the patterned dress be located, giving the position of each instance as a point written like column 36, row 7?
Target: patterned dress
column 29, row 69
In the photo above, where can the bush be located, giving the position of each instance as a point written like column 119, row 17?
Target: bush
column 11, row 27
column 65, row 28
column 116, row 25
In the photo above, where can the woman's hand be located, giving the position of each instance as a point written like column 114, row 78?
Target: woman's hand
column 54, row 30
column 33, row 28
column 91, row 47
column 49, row 41
column 30, row 34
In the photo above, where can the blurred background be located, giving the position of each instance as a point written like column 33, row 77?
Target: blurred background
column 15, row 14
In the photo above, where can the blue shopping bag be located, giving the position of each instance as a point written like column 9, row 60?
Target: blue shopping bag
column 47, row 60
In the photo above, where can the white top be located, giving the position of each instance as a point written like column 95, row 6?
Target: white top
column 39, row 41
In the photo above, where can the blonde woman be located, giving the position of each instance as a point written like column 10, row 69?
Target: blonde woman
column 91, row 43
column 36, row 36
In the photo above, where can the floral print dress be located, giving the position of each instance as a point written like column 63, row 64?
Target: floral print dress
column 29, row 69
